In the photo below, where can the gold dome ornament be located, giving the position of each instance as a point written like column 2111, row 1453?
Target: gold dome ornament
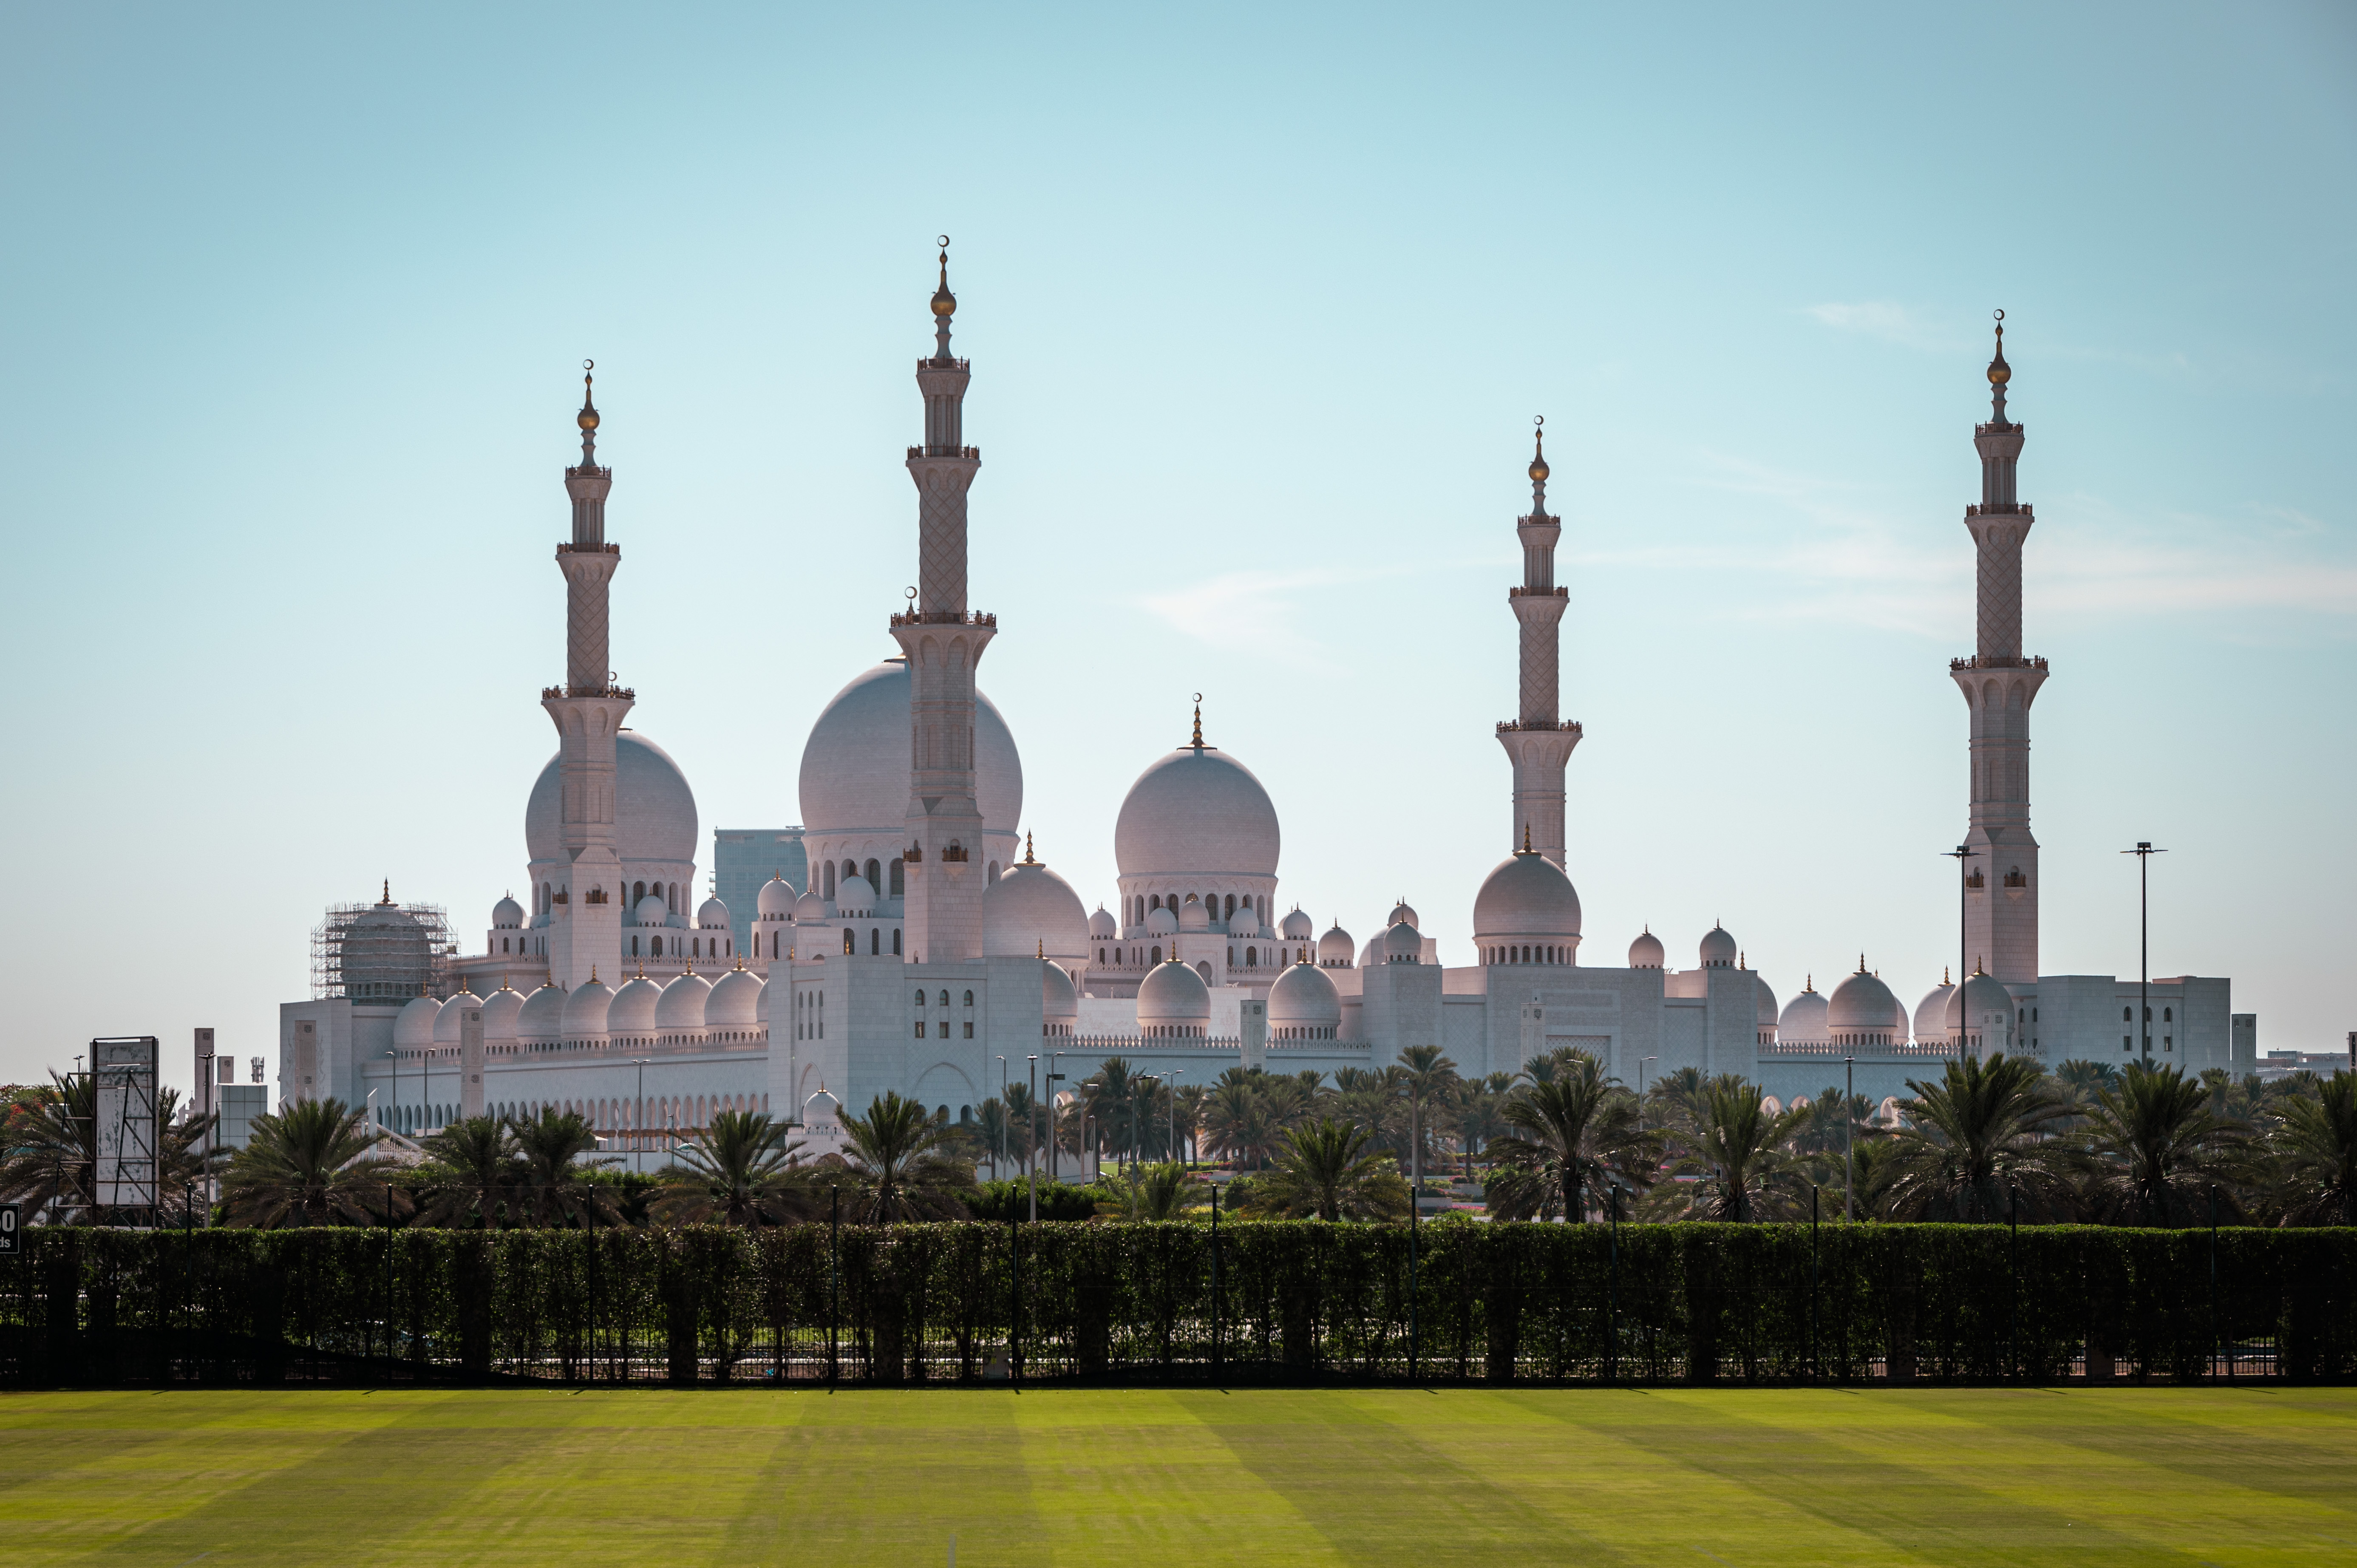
column 1999, row 373
column 588, row 419
column 1538, row 461
column 944, row 302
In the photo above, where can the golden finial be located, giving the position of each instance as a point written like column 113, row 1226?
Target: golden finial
column 944, row 302
column 1740, row 962
column 1810, row 986
column 1538, row 460
column 1944, row 976
column 503, row 982
column 1526, row 838
column 740, row 960
column 1861, row 963
column 386, row 902
column 1978, row 972
column 593, row 974
column 642, row 968
column 1027, row 850
column 588, row 418
column 1999, row 373
column 1043, row 947
column 1199, row 721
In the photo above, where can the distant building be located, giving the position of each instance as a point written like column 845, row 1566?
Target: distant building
column 744, row 858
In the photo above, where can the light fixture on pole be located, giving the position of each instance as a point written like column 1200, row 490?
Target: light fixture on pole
column 2143, row 852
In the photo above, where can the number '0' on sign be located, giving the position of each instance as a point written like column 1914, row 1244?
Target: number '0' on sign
column 12, row 1217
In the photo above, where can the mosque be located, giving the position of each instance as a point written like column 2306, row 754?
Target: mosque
column 909, row 938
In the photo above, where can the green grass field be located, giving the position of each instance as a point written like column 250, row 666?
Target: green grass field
column 1124, row 1478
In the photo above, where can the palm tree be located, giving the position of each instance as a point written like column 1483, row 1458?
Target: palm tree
column 551, row 1183
column 1477, row 1110
column 1573, row 1134
column 1736, row 1146
column 1192, row 1099
column 1677, row 1100
column 1153, row 1192
column 1026, row 1131
column 1985, row 1133
column 1324, row 1171
column 739, row 1171
column 996, row 1131
column 1425, row 1074
column 2155, row 1150
column 471, row 1171
column 2316, row 1148
column 896, row 1156
column 310, row 1165
column 1109, row 1094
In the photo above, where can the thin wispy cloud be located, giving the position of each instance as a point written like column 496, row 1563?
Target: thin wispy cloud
column 1266, row 607
column 1890, row 323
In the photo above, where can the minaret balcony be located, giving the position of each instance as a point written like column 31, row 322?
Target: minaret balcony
column 1538, row 593
column 943, row 617
column 1507, row 727
column 1997, row 661
column 972, row 452
column 553, row 693
column 588, row 550
column 2004, row 509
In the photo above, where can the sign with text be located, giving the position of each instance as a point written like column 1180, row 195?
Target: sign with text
column 12, row 1234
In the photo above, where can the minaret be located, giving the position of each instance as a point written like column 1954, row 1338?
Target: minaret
column 586, row 927
column 1538, row 741
column 1999, row 685
column 942, row 641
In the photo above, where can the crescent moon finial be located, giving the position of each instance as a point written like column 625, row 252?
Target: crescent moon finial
column 588, row 364
column 2000, row 315
column 943, row 241
column 1199, row 696
column 1539, row 419
column 911, row 593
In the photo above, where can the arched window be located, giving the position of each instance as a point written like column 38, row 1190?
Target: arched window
column 875, row 940
column 875, row 874
column 921, row 998
column 830, row 879
column 899, row 880
column 634, row 947
column 2127, row 1014
column 944, row 1000
column 969, row 998
column 993, row 870
column 658, row 947
column 850, row 944
column 2168, row 1015
column 1251, row 958
column 1154, row 956
column 1154, row 901
column 1232, row 906
column 896, row 935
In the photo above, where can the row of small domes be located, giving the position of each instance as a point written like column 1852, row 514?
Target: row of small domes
column 642, row 1005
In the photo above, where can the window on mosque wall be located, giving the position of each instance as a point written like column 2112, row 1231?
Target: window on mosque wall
column 875, row 874
column 969, row 998
column 850, row 944
column 896, row 931
column 900, row 886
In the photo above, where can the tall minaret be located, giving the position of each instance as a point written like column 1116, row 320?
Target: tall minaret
column 942, row 642
column 585, row 929
column 1999, row 685
column 1538, row 741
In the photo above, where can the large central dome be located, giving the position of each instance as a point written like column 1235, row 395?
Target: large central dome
column 654, row 811
column 855, row 764
column 1196, row 812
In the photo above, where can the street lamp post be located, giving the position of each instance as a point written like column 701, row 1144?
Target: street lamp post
column 1849, row 1137
column 1055, row 1061
column 1032, row 1159
column 2143, row 852
column 1640, row 1090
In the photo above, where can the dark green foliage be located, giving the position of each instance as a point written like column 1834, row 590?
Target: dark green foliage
column 1307, row 1300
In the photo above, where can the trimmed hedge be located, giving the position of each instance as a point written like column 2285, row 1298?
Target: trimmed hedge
column 1295, row 1302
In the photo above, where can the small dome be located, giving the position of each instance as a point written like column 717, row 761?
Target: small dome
column 1161, row 922
column 1336, row 948
column 1862, row 1005
column 1059, row 1003
column 1932, row 1013
column 1401, row 912
column 1193, row 917
column 454, row 1012
column 734, row 1003
column 1173, row 996
column 682, row 1007
column 542, row 1017
column 1194, row 813
column 856, row 896
column 1525, row 898
column 500, row 1010
column 1646, row 951
column 633, row 1009
column 777, row 900
column 1303, row 999
column 586, row 1009
column 1244, row 922
column 1296, row 927
column 1030, row 910
column 712, row 915
column 413, row 1027
column 1718, row 949
column 1403, row 943
column 652, row 911
column 507, row 914
column 1103, row 925
column 1988, row 1012
column 1802, row 1022
column 1767, row 1002
column 809, row 907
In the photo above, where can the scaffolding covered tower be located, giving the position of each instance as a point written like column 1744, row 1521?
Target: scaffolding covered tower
column 382, row 952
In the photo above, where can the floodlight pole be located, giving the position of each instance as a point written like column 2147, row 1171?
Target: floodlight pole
column 1849, row 1137
column 2143, row 852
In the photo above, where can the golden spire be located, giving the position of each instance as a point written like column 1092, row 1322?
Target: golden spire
column 1811, row 987
column 1999, row 373
column 1043, row 947
column 944, row 302
column 740, row 960
column 1198, row 742
column 1538, row 459
column 1527, row 839
column 1861, row 963
column 1944, row 976
column 588, row 418
column 642, row 968
column 386, row 902
column 1739, row 961
column 503, row 982
column 1027, row 850
column 593, row 974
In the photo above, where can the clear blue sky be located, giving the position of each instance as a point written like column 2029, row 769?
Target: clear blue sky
column 1260, row 302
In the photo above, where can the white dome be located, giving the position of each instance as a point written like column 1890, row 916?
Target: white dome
column 500, row 1010
column 586, row 1008
column 1986, row 1010
column 1718, row 949
column 1161, row 922
column 652, row 911
column 1102, row 924
column 777, row 899
column 1244, row 922
column 453, row 1014
column 1526, row 898
column 1802, row 1022
column 712, row 915
column 1932, row 1013
column 507, row 914
column 1172, row 995
column 1646, row 951
column 1058, row 1002
column 633, row 1009
column 1403, row 944
column 734, row 1003
column 854, row 775
column 1297, row 927
column 855, row 895
column 1767, row 1002
column 1030, row 910
column 809, row 907
column 1335, row 948
column 413, row 1025
column 1401, row 912
column 682, row 1007
column 1862, row 1005
column 1195, row 813
column 1193, row 917
column 1304, row 998
column 654, row 811
column 543, row 1015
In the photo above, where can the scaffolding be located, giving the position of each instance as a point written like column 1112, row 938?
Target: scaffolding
column 382, row 952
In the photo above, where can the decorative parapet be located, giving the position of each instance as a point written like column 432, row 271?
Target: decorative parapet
column 1561, row 727
column 1996, row 661
column 943, row 617
column 554, row 693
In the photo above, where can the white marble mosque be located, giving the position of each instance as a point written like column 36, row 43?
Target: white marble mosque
column 932, row 954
